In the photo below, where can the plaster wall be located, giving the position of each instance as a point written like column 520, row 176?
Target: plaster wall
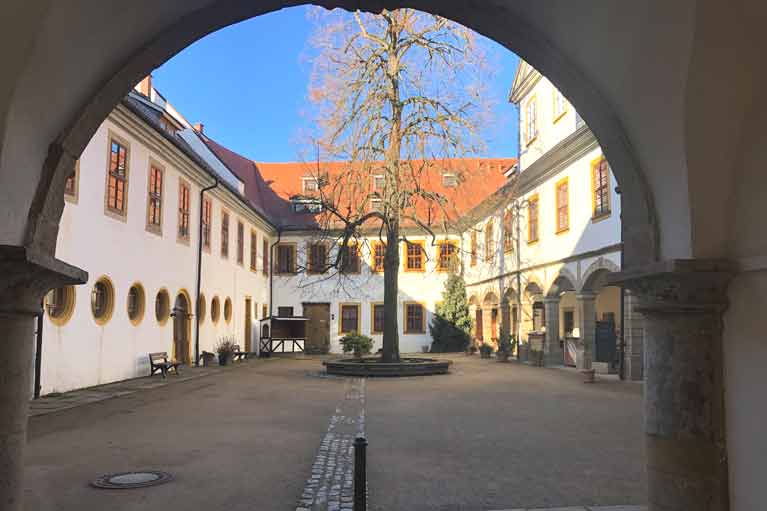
column 82, row 353
column 365, row 289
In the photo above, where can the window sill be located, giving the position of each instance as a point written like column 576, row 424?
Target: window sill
column 599, row 218
column 559, row 117
column 531, row 141
column 532, row 242
column 563, row 231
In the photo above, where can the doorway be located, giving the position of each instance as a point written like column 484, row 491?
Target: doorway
column 181, row 329
column 248, row 325
column 317, row 327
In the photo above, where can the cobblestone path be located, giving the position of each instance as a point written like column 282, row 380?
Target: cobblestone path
column 330, row 486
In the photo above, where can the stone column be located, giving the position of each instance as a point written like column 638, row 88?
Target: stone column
column 633, row 336
column 552, row 353
column 682, row 303
column 585, row 303
column 505, row 319
column 25, row 277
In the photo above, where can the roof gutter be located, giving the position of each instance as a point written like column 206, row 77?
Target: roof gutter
column 199, row 275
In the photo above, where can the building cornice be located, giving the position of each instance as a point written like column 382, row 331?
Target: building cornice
column 159, row 144
column 610, row 249
column 558, row 158
column 524, row 83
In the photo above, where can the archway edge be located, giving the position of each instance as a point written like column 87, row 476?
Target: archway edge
column 641, row 236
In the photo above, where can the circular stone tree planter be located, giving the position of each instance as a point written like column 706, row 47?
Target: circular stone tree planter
column 372, row 366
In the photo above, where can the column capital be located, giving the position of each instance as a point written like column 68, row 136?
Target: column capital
column 679, row 285
column 27, row 274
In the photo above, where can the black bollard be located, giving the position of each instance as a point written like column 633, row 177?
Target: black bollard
column 360, row 477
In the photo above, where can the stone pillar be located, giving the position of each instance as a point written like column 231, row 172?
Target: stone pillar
column 585, row 303
column 505, row 319
column 552, row 352
column 25, row 277
column 633, row 337
column 682, row 303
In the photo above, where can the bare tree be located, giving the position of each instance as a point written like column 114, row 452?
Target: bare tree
column 399, row 97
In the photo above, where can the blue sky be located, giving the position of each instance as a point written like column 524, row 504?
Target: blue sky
column 248, row 84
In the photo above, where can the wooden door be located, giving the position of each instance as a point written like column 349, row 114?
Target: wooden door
column 181, row 330
column 248, row 325
column 317, row 328
column 479, row 332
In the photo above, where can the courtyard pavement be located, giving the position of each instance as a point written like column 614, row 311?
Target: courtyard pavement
column 275, row 435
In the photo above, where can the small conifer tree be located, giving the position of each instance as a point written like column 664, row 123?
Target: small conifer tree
column 451, row 325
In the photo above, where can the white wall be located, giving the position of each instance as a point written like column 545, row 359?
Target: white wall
column 82, row 353
column 366, row 288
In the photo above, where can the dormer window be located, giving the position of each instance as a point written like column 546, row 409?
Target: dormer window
column 310, row 185
column 449, row 180
column 376, row 204
column 306, row 205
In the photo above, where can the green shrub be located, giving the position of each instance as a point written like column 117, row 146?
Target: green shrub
column 451, row 324
column 357, row 344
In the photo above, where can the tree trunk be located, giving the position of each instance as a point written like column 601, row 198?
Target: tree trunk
column 391, row 292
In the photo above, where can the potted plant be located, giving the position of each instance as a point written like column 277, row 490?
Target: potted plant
column 225, row 350
column 505, row 348
column 485, row 350
column 356, row 344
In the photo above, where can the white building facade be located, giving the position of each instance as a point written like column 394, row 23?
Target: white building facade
column 536, row 243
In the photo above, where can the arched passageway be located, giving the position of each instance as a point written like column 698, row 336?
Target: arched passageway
column 703, row 63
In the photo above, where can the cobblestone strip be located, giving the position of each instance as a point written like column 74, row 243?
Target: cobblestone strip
column 331, row 484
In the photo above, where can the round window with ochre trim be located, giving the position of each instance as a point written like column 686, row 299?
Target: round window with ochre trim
column 201, row 306
column 215, row 309
column 162, row 306
column 228, row 310
column 102, row 300
column 136, row 303
column 60, row 304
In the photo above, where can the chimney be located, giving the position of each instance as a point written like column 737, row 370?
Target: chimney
column 145, row 86
column 199, row 128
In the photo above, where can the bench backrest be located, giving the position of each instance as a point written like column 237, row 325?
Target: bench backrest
column 161, row 356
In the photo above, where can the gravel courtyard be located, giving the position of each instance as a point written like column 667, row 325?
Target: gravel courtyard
column 489, row 436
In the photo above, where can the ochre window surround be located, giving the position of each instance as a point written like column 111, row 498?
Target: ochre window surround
column 155, row 191
column 117, row 177
column 285, row 259
column 508, row 231
column 316, row 257
column 162, row 306
column 253, row 251
column 225, row 234
column 265, row 256
column 136, row 303
column 414, row 316
column 489, row 241
column 240, row 243
column 350, row 259
column 414, row 256
column 447, row 255
column 473, row 248
column 184, row 211
column 348, row 318
column 600, row 189
column 60, row 305
column 377, row 256
column 563, row 205
column 531, row 120
column 207, row 222
column 377, row 318
column 560, row 106
column 72, row 185
column 533, row 213
column 103, row 300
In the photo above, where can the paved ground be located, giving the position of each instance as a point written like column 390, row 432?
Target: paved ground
column 489, row 436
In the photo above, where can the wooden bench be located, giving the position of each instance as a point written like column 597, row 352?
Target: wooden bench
column 238, row 354
column 159, row 362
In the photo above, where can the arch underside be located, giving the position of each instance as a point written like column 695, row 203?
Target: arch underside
column 517, row 34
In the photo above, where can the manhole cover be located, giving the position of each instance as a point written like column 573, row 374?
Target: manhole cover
column 127, row 480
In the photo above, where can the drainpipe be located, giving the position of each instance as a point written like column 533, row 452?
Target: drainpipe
column 199, row 276
column 39, row 352
column 622, row 361
column 271, row 273
column 518, row 332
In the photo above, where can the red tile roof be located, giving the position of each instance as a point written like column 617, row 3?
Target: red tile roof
column 270, row 186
